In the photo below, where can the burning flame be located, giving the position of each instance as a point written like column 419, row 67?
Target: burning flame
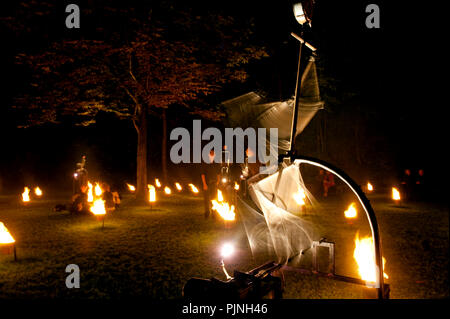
column 299, row 197
column 219, row 195
column 38, row 191
column 395, row 194
column 223, row 208
column 90, row 193
column 99, row 207
column 178, row 186
column 5, row 236
column 364, row 254
column 98, row 190
column 236, row 186
column 167, row 190
column 369, row 187
column 351, row 211
column 131, row 187
column 193, row 188
column 151, row 193
column 26, row 194
column 157, row 182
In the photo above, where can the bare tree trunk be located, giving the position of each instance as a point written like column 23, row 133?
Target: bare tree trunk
column 141, row 172
column 164, row 146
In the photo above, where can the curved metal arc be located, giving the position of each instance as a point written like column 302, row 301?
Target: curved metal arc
column 365, row 203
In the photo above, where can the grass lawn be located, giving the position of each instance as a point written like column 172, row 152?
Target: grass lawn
column 153, row 253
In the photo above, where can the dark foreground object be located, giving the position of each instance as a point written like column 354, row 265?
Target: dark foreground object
column 256, row 284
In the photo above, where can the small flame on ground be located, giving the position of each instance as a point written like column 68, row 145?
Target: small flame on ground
column 299, row 197
column 26, row 194
column 167, row 190
column 223, row 208
column 351, row 211
column 38, row 191
column 364, row 254
column 157, row 183
column 369, row 187
column 98, row 208
column 395, row 194
column 193, row 188
column 131, row 187
column 151, row 193
column 178, row 186
column 5, row 236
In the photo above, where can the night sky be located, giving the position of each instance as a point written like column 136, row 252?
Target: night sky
column 391, row 71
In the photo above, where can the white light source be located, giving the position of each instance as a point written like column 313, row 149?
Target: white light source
column 299, row 13
column 227, row 250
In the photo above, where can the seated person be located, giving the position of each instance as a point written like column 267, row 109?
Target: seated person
column 112, row 199
column 79, row 202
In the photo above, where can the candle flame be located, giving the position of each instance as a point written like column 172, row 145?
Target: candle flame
column 193, row 188
column 395, row 194
column 369, row 187
column 26, row 195
column 351, row 211
column 157, row 183
column 178, row 186
column 167, row 190
column 38, row 191
column 131, row 187
column 151, row 193
column 5, row 236
column 236, row 186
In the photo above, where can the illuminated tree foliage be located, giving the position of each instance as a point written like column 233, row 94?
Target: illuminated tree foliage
column 141, row 63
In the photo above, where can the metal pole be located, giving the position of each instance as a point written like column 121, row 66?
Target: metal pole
column 296, row 100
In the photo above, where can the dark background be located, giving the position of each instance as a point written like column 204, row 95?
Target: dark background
column 383, row 83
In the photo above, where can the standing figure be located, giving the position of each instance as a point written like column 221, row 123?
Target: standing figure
column 328, row 182
column 80, row 177
column 406, row 184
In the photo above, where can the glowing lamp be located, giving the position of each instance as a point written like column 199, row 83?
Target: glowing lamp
column 299, row 14
column 227, row 250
